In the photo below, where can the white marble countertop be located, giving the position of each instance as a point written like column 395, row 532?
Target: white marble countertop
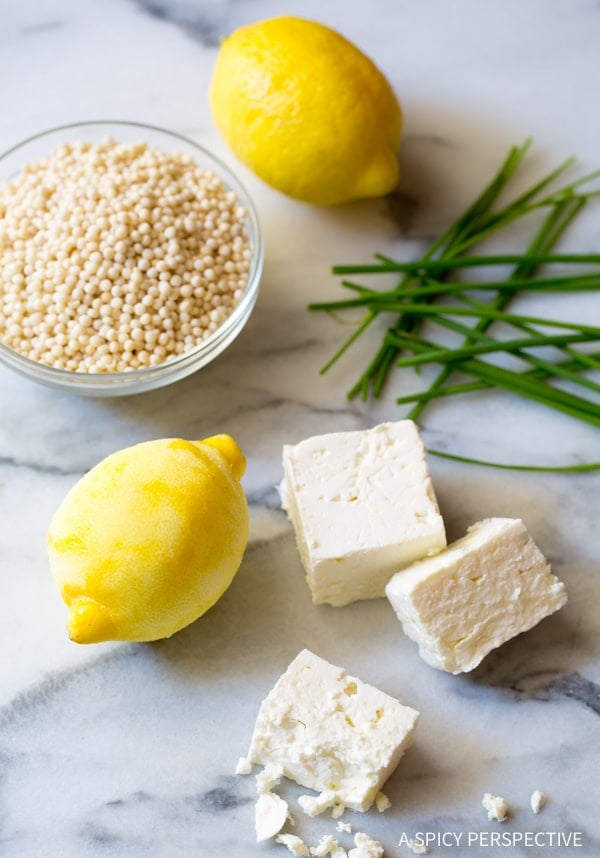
column 129, row 750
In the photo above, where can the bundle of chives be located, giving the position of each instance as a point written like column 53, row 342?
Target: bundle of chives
column 425, row 280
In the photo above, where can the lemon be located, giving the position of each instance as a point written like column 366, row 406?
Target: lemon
column 307, row 111
column 150, row 538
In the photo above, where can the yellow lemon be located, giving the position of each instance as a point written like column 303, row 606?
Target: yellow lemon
column 150, row 538
column 307, row 111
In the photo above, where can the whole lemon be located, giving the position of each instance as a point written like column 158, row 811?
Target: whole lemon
column 307, row 111
column 150, row 538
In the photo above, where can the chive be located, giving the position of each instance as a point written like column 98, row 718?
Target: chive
column 450, row 390
column 519, row 208
column 587, row 360
column 584, row 360
column 364, row 324
column 522, row 383
column 378, row 369
column 551, row 229
column 532, row 389
column 566, row 370
column 443, row 264
column 468, row 387
column 586, row 282
column 444, row 355
column 464, row 227
column 487, row 313
column 557, row 469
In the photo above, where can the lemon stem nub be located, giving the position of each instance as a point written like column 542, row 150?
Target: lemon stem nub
column 230, row 452
column 89, row 621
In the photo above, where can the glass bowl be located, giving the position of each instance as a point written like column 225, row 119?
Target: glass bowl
column 178, row 367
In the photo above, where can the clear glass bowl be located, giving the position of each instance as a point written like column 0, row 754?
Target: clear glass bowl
column 148, row 378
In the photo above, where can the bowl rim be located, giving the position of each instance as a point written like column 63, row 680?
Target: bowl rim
column 144, row 378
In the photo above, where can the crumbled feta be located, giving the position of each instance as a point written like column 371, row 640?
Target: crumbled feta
column 366, row 847
column 295, row 844
column 344, row 826
column 538, row 800
column 338, row 809
column 244, row 766
column 331, row 732
column 313, row 805
column 418, row 847
column 484, row 589
column 270, row 815
column 328, row 846
column 363, row 506
column 269, row 777
column 496, row 807
column 382, row 802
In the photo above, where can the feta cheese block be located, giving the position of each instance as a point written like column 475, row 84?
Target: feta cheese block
column 363, row 506
column 484, row 589
column 331, row 732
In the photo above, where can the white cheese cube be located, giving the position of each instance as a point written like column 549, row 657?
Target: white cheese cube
column 484, row 589
column 331, row 732
column 362, row 505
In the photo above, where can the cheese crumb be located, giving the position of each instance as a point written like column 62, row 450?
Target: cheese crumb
column 295, row 844
column 244, row 766
column 338, row 809
column 269, row 777
column 270, row 815
column 418, row 847
column 366, row 847
column 538, row 800
column 344, row 826
column 328, row 845
column 382, row 802
column 496, row 807
column 313, row 805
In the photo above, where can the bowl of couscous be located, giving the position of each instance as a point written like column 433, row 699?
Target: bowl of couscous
column 130, row 257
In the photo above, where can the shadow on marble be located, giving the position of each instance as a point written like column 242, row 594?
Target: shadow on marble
column 265, row 618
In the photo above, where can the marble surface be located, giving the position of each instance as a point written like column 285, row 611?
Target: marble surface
column 130, row 750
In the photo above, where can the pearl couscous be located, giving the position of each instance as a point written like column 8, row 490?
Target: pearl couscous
column 115, row 257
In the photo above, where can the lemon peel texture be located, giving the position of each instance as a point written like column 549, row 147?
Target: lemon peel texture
column 307, row 111
column 150, row 538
